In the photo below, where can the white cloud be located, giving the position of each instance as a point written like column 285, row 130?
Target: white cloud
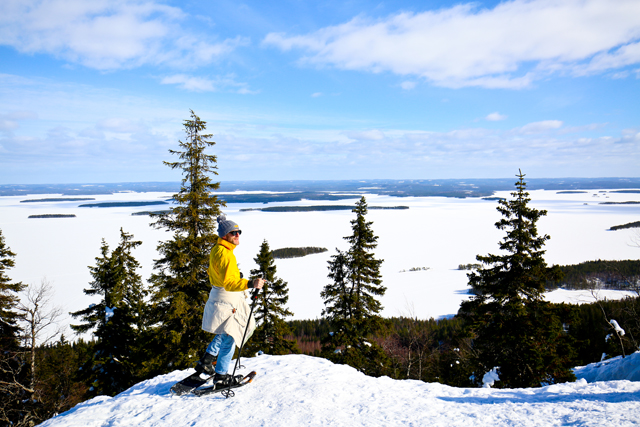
column 8, row 125
column 538, row 127
column 367, row 135
column 107, row 34
column 9, row 121
column 196, row 84
column 495, row 117
column 509, row 46
column 407, row 85
column 399, row 153
column 316, row 94
column 120, row 125
column 204, row 84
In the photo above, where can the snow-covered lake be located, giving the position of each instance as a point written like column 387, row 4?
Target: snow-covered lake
column 435, row 232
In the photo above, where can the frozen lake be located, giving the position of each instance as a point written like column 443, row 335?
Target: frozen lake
column 435, row 232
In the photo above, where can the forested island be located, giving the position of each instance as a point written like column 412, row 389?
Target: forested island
column 151, row 213
column 121, row 204
column 284, row 253
column 53, row 216
column 59, row 199
column 635, row 224
column 621, row 203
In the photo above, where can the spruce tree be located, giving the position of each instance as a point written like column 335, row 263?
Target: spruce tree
column 14, row 371
column 512, row 327
column 181, row 283
column 9, row 328
column 351, row 300
column 118, row 321
column 272, row 330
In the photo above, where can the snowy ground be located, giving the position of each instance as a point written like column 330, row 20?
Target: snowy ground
column 436, row 232
column 298, row 390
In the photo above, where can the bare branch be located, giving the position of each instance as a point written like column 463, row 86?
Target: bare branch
column 39, row 320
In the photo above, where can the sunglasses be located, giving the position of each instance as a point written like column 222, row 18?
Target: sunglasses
column 235, row 233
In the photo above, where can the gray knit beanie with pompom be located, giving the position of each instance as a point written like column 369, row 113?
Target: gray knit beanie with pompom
column 225, row 226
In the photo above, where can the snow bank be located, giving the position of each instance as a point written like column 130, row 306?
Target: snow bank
column 617, row 368
column 297, row 390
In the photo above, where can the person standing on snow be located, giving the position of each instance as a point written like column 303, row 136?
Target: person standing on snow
column 227, row 312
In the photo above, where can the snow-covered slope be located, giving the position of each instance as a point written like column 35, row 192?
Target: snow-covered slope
column 617, row 368
column 298, row 390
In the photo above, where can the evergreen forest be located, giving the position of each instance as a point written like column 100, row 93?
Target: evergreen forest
column 143, row 327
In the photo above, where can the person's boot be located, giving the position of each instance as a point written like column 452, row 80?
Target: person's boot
column 226, row 379
column 206, row 364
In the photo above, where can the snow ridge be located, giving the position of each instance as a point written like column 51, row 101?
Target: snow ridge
column 299, row 390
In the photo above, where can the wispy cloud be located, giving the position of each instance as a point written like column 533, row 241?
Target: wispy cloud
column 205, row 84
column 537, row 147
column 92, row 133
column 538, row 127
column 10, row 121
column 495, row 117
column 408, row 85
column 509, row 46
column 108, row 34
column 121, row 125
column 367, row 135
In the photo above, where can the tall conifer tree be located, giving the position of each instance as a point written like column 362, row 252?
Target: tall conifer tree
column 513, row 328
column 118, row 321
column 272, row 330
column 14, row 371
column 9, row 329
column 181, row 284
column 351, row 301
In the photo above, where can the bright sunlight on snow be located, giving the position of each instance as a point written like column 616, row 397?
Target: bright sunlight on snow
column 297, row 390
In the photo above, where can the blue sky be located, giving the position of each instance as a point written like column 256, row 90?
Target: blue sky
column 96, row 91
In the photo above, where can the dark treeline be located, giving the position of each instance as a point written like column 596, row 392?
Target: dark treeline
column 635, row 224
column 623, row 275
column 296, row 252
column 439, row 351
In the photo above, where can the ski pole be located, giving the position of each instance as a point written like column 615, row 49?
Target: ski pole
column 228, row 393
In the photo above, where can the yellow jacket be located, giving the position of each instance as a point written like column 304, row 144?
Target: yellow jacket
column 223, row 268
column 227, row 311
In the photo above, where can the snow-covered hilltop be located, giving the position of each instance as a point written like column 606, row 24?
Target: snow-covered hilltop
column 297, row 390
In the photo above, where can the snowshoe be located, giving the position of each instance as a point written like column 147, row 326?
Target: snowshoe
column 224, row 380
column 189, row 384
column 225, row 390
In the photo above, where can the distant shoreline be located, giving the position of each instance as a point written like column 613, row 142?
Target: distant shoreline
column 279, row 191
